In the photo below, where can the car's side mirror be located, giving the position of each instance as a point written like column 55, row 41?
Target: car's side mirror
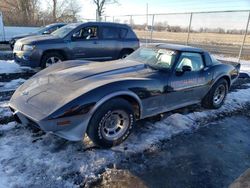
column 75, row 37
column 186, row 68
column 46, row 32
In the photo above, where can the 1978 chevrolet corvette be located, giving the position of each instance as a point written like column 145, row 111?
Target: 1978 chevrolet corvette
column 104, row 99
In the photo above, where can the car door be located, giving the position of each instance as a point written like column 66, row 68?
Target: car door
column 189, row 81
column 110, row 38
column 85, row 43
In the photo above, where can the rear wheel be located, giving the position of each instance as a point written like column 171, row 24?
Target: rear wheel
column 112, row 123
column 216, row 96
column 51, row 58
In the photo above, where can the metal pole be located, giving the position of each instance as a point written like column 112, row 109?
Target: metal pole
column 147, row 24
column 113, row 19
column 189, row 27
column 131, row 20
column 152, row 28
column 244, row 38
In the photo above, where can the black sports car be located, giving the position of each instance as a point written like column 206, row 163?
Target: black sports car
column 104, row 99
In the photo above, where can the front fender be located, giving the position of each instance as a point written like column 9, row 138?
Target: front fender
column 113, row 95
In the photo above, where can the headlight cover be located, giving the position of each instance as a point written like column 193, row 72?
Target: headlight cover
column 27, row 48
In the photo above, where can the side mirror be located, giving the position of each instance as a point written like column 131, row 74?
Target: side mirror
column 46, row 32
column 186, row 68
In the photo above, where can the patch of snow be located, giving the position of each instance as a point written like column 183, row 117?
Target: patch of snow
column 10, row 66
column 11, row 31
column 4, row 110
column 31, row 159
column 13, row 84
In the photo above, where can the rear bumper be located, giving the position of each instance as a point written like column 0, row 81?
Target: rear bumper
column 74, row 131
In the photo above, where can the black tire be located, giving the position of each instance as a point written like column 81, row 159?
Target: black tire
column 98, row 122
column 209, row 102
column 49, row 55
column 124, row 53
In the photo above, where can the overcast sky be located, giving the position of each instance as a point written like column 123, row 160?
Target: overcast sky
column 224, row 20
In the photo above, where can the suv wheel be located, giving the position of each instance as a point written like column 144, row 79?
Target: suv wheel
column 216, row 96
column 111, row 123
column 51, row 58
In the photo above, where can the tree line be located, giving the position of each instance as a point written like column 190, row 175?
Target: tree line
column 30, row 12
column 164, row 26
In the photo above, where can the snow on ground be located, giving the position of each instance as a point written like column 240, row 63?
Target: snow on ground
column 32, row 159
column 10, row 66
column 4, row 110
column 35, row 159
column 13, row 84
column 11, row 31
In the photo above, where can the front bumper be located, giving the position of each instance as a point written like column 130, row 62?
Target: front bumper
column 74, row 131
column 28, row 59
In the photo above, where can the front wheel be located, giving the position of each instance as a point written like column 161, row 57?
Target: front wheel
column 216, row 96
column 112, row 123
column 51, row 58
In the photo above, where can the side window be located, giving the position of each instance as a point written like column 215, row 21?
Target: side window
column 110, row 33
column 86, row 33
column 52, row 29
column 123, row 33
column 194, row 60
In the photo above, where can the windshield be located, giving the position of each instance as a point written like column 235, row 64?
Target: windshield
column 154, row 57
column 41, row 30
column 65, row 30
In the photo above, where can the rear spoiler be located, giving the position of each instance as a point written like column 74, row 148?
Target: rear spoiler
column 235, row 64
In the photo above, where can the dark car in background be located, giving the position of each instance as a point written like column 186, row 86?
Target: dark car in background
column 96, row 41
column 43, row 31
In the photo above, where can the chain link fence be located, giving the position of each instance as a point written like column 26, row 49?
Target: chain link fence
column 225, row 32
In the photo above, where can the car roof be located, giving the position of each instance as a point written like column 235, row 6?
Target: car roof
column 102, row 24
column 177, row 47
column 55, row 24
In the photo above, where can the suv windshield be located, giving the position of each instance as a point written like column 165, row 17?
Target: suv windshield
column 65, row 30
column 154, row 57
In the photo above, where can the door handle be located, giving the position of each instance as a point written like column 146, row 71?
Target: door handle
column 95, row 42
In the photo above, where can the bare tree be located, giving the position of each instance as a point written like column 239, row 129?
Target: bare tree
column 54, row 10
column 100, row 7
column 19, row 11
column 62, row 10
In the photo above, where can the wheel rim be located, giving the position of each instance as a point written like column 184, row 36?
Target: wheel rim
column 52, row 60
column 219, row 94
column 115, row 124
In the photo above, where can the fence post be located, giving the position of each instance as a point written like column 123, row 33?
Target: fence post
column 244, row 38
column 152, row 28
column 131, row 20
column 189, row 27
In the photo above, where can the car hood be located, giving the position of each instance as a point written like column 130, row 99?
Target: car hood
column 16, row 37
column 40, row 39
column 50, row 91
